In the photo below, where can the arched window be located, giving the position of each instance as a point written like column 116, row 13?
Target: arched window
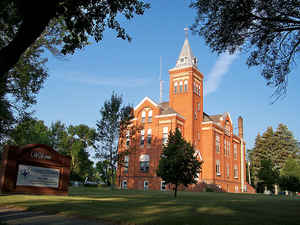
column 144, row 163
column 185, row 86
column 180, row 86
column 143, row 116
column 175, row 88
column 149, row 136
column 150, row 116
column 126, row 162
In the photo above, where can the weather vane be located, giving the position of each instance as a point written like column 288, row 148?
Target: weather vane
column 186, row 30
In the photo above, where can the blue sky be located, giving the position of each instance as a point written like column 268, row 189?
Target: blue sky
column 79, row 84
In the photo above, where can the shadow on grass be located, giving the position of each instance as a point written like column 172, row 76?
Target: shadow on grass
column 134, row 207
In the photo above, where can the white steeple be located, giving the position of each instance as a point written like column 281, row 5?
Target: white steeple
column 186, row 57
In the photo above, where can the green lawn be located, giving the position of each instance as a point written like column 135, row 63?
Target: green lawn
column 154, row 207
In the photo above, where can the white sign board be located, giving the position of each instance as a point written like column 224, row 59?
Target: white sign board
column 37, row 176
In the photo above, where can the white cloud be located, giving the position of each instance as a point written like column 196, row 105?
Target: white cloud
column 113, row 81
column 220, row 68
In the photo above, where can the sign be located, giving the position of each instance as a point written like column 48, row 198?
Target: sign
column 37, row 176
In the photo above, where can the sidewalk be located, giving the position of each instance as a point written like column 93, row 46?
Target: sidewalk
column 18, row 216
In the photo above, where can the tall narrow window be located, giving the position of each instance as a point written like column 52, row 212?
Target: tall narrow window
column 185, row 86
column 165, row 135
column 126, row 163
column 227, row 170
column 149, row 136
column 143, row 116
column 146, row 185
column 144, row 163
column 199, row 90
column 195, row 87
column 236, row 172
column 235, row 151
column 180, row 86
column 142, row 137
column 175, row 88
column 218, row 169
column 150, row 116
column 217, row 143
column 127, row 138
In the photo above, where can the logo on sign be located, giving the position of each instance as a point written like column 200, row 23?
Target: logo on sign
column 40, row 155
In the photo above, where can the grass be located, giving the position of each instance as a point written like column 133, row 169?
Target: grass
column 160, row 208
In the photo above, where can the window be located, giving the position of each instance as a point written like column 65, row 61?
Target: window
column 198, row 107
column 165, row 135
column 235, row 151
column 175, row 88
column 142, row 137
column 149, row 136
column 144, row 163
column 150, row 116
column 199, row 90
column 217, row 143
column 218, row 168
column 236, row 188
column 126, row 162
column 146, row 185
column 185, row 86
column 195, row 87
column 180, row 86
column 195, row 115
column 228, row 151
column 143, row 116
column 162, row 185
column 236, row 172
column 227, row 170
column 124, row 184
column 127, row 138
column 225, row 147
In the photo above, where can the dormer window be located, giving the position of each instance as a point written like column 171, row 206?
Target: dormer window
column 175, row 88
column 185, row 86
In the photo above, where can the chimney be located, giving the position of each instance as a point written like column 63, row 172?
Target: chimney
column 241, row 129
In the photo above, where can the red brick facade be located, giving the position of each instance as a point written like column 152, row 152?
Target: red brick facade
column 222, row 152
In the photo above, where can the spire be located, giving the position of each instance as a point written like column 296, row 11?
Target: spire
column 186, row 57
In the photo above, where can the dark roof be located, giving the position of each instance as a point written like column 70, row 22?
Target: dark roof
column 214, row 118
column 166, row 109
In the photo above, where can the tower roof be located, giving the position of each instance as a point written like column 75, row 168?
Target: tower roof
column 186, row 57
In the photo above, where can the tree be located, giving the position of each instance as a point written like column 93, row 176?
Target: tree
column 275, row 146
column 267, row 174
column 30, row 131
column 291, row 168
column 80, row 18
column 268, row 30
column 289, row 183
column 178, row 163
column 18, row 92
column 115, row 119
column 104, row 171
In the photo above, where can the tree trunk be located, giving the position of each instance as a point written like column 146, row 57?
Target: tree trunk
column 31, row 28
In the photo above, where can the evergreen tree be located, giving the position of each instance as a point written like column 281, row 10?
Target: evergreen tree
column 267, row 174
column 178, row 163
column 274, row 146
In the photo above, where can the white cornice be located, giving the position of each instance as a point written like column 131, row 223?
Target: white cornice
column 145, row 99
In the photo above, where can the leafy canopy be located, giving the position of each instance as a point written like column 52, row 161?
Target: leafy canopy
column 178, row 163
column 267, row 30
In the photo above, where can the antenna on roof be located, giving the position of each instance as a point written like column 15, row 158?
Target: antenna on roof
column 160, row 83
column 186, row 30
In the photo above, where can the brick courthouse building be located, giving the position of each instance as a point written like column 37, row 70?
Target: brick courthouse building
column 222, row 152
